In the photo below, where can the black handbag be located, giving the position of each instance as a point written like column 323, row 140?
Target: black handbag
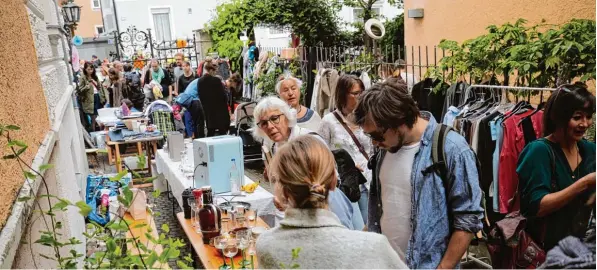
column 350, row 176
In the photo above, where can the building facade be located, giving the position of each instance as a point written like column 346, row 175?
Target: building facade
column 91, row 24
column 460, row 20
column 38, row 97
column 168, row 20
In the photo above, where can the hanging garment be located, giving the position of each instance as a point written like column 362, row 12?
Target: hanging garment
column 247, row 71
column 366, row 80
column 511, row 148
column 315, row 92
column 427, row 100
column 453, row 94
column 327, row 88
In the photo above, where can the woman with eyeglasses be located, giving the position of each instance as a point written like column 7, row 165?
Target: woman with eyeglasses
column 276, row 124
column 557, row 173
column 289, row 90
column 339, row 132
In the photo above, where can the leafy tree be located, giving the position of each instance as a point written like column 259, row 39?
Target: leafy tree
column 314, row 21
column 367, row 7
column 394, row 38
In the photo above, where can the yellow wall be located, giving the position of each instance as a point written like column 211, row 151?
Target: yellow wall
column 465, row 19
column 89, row 19
column 22, row 100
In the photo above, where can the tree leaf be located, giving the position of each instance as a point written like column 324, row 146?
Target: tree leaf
column 165, row 228
column 45, row 167
column 24, row 199
column 84, row 209
column 128, row 195
column 12, row 127
column 119, row 176
column 29, row 175
column 110, row 245
column 156, row 193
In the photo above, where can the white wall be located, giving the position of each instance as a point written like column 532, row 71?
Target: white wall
column 265, row 38
column 182, row 24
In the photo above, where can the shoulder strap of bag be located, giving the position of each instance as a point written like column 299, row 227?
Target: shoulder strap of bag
column 438, row 155
column 354, row 138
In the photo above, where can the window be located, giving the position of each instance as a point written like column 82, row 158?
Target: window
column 276, row 30
column 99, row 29
column 95, row 4
column 357, row 13
column 161, row 23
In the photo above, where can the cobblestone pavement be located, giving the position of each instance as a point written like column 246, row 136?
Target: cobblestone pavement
column 164, row 206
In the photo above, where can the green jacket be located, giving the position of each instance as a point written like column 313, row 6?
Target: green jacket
column 85, row 94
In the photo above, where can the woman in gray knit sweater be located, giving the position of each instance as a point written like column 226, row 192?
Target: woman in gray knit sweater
column 303, row 173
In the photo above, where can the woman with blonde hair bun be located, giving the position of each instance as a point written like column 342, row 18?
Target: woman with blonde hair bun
column 303, row 172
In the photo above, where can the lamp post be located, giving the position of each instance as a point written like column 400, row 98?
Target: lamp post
column 72, row 14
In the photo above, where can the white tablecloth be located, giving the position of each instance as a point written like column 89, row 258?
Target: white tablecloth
column 261, row 199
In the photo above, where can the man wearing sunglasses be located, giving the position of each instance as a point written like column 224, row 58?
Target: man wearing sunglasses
column 428, row 226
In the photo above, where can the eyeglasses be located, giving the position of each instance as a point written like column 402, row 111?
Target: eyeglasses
column 377, row 135
column 274, row 119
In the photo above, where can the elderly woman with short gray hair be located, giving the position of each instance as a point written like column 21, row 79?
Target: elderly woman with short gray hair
column 289, row 90
column 276, row 124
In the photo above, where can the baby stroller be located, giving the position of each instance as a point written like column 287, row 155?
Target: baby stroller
column 243, row 116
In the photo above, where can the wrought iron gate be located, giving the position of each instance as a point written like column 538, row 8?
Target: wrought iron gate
column 138, row 47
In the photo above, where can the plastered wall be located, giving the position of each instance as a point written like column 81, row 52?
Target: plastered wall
column 22, row 100
column 464, row 19
column 90, row 17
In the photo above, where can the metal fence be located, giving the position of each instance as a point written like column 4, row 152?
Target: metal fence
column 379, row 62
column 138, row 47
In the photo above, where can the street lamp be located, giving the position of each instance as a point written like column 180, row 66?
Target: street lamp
column 72, row 14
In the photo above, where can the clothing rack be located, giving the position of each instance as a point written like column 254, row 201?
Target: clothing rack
column 510, row 88
column 467, row 93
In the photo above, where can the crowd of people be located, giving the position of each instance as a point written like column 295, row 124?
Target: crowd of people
column 427, row 216
column 199, row 100
column 361, row 176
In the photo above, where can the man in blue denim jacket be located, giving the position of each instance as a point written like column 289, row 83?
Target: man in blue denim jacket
column 408, row 203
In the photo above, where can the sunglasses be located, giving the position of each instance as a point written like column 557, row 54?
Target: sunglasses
column 274, row 119
column 377, row 135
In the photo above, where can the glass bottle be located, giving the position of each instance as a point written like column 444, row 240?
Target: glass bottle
column 210, row 216
column 235, row 181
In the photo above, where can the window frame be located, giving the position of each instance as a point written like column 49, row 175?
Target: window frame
column 155, row 10
column 99, row 4
column 95, row 27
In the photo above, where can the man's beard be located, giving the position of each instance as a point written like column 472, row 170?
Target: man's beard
column 398, row 146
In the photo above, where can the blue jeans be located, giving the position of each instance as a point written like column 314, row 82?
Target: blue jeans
column 364, row 203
